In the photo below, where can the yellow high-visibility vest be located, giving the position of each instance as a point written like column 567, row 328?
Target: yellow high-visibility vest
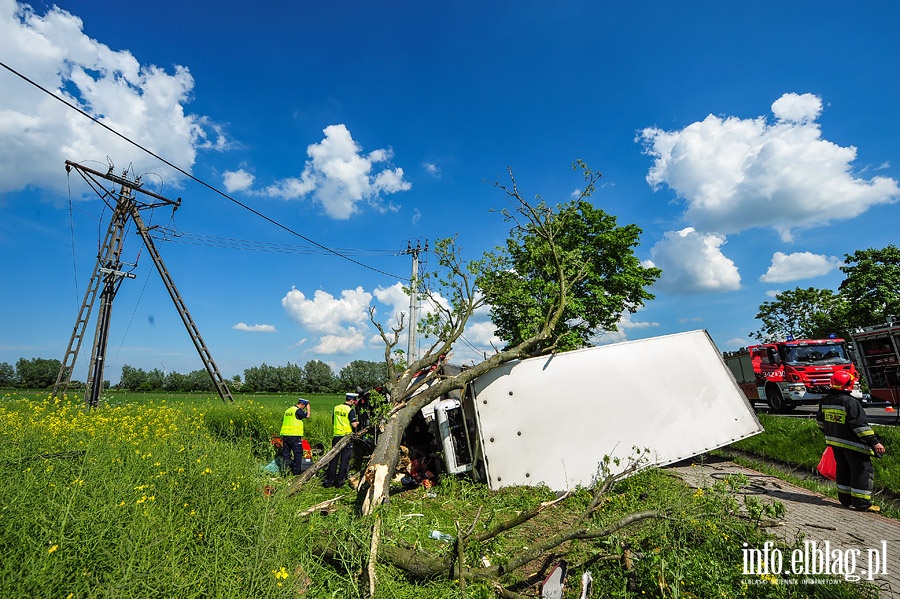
column 291, row 426
column 342, row 420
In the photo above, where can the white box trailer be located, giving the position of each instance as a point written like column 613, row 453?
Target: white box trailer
column 551, row 420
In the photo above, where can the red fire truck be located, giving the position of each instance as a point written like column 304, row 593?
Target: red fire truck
column 790, row 373
column 878, row 351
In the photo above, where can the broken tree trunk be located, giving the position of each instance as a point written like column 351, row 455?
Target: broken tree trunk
column 384, row 459
column 424, row 565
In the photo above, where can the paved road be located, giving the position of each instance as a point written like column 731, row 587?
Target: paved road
column 867, row 542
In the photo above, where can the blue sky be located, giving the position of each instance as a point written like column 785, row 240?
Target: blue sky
column 754, row 144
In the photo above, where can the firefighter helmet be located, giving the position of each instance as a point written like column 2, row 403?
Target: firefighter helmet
column 842, row 380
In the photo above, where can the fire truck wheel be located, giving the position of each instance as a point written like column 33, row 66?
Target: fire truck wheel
column 776, row 400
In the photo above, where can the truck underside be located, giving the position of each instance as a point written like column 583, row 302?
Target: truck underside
column 567, row 419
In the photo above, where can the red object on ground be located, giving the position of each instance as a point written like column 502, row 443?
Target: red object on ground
column 827, row 466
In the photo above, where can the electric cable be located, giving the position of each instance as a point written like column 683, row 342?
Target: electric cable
column 254, row 245
column 195, row 179
column 171, row 234
column 322, row 247
column 137, row 304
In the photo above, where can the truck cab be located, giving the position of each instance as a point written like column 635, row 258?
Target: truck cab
column 785, row 374
column 798, row 372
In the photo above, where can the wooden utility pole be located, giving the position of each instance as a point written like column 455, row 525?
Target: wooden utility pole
column 108, row 270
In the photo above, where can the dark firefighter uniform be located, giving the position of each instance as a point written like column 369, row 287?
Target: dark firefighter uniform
column 843, row 420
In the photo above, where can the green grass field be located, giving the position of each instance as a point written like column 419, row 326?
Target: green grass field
column 160, row 496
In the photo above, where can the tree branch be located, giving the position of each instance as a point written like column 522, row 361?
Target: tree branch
column 310, row 472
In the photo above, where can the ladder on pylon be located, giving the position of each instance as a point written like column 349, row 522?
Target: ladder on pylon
column 108, row 271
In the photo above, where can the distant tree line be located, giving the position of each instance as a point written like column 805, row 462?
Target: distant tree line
column 315, row 377
column 868, row 296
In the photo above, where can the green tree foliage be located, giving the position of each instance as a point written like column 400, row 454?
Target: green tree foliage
column 574, row 255
column 291, row 378
column 156, row 379
column 37, row 373
column 175, row 381
column 272, row 379
column 802, row 314
column 7, row 375
column 869, row 294
column 199, row 380
column 871, row 286
column 131, row 378
column 261, row 379
column 362, row 374
column 318, row 377
column 137, row 379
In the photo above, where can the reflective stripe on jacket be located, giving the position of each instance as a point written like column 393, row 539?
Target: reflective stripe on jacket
column 843, row 420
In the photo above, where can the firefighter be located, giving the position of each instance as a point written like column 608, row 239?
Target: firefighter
column 344, row 422
column 292, row 435
column 843, row 420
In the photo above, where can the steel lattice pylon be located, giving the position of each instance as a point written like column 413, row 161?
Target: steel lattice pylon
column 108, row 273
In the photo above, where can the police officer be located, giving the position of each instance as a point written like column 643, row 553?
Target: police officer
column 344, row 422
column 292, row 435
column 843, row 420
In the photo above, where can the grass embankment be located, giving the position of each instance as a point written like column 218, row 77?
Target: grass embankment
column 166, row 498
column 798, row 444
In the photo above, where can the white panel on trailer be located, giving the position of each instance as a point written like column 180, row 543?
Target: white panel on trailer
column 551, row 420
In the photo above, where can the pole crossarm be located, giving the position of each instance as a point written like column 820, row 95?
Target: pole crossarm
column 108, row 271
column 134, row 185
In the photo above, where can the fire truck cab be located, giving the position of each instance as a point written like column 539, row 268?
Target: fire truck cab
column 789, row 373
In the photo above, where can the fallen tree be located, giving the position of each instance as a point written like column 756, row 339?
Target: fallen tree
column 565, row 274
column 452, row 564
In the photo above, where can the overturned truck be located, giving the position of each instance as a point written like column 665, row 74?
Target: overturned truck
column 553, row 420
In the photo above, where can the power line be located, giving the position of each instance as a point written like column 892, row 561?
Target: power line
column 175, row 235
column 195, row 179
column 211, row 240
column 171, row 234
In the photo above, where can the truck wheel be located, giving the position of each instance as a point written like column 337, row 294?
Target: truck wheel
column 776, row 400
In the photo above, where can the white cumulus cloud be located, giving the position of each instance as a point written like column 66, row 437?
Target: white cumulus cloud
column 142, row 102
column 239, row 180
column 797, row 108
column 340, row 177
column 799, row 265
column 396, row 299
column 325, row 313
column 347, row 342
column 257, row 328
column 735, row 174
column 692, row 262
